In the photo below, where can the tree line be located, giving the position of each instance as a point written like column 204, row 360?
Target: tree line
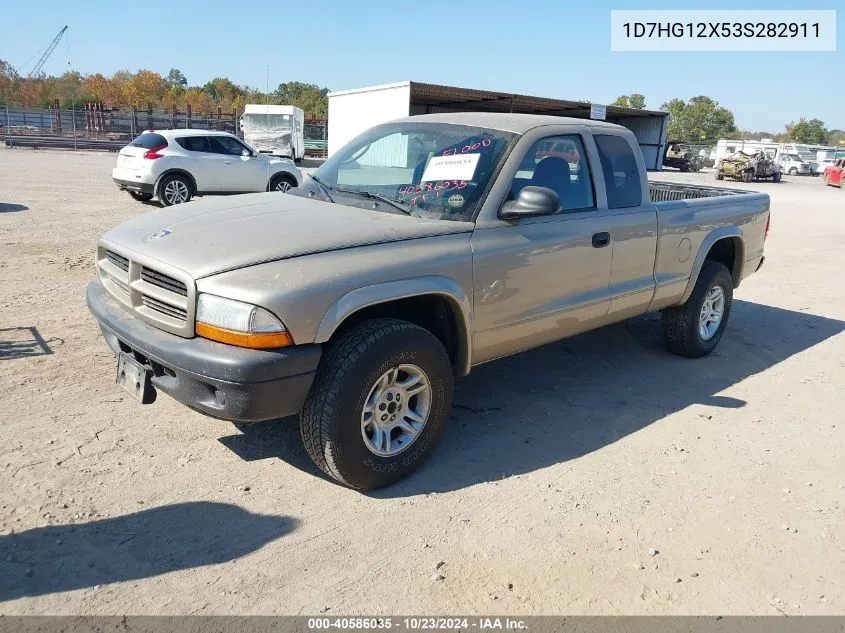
column 147, row 88
column 700, row 119
column 703, row 120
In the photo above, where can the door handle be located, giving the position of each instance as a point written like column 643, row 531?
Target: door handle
column 227, row 162
column 600, row 240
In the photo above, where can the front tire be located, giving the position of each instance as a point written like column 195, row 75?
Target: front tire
column 776, row 176
column 174, row 189
column 141, row 197
column 695, row 328
column 793, row 171
column 282, row 183
column 380, row 400
column 749, row 176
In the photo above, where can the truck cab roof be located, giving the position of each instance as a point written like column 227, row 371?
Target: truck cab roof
column 511, row 122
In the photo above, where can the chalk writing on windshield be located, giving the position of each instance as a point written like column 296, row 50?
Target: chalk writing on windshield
column 472, row 147
column 406, row 190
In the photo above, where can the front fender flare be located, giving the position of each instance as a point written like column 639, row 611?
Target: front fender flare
column 445, row 287
column 283, row 169
column 713, row 237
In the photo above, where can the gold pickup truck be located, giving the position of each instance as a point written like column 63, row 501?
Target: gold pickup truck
column 424, row 247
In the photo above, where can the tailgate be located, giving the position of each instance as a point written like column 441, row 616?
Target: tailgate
column 131, row 157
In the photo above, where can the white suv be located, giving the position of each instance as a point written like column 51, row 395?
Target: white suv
column 176, row 165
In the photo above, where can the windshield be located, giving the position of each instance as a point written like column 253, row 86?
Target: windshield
column 434, row 170
column 267, row 122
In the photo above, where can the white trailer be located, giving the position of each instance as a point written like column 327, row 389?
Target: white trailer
column 277, row 130
column 726, row 147
column 352, row 112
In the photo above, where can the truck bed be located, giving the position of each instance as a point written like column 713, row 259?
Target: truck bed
column 669, row 191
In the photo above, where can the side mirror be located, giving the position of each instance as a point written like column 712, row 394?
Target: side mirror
column 532, row 201
column 246, row 152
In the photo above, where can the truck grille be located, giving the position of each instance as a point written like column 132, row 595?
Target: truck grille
column 164, row 308
column 164, row 281
column 118, row 260
column 166, row 300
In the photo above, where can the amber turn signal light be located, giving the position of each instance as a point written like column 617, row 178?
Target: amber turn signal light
column 262, row 340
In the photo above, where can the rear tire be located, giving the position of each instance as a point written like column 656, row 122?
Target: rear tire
column 776, row 176
column 174, row 189
column 682, row 326
column 141, row 197
column 719, row 176
column 343, row 417
column 748, row 176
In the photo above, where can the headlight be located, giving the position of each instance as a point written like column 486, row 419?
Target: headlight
column 239, row 323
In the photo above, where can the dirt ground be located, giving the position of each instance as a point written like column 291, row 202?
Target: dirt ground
column 561, row 471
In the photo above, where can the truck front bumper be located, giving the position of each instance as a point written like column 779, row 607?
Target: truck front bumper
column 223, row 381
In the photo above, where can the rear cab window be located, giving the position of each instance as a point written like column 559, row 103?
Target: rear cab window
column 150, row 140
column 621, row 174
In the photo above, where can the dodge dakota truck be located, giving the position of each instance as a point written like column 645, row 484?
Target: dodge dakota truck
column 424, row 247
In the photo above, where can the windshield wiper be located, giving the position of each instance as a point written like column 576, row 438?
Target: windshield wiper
column 375, row 196
column 324, row 188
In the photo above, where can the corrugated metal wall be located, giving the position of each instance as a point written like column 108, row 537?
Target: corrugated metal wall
column 651, row 135
column 391, row 151
column 353, row 112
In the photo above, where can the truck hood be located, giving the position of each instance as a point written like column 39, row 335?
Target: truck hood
column 214, row 235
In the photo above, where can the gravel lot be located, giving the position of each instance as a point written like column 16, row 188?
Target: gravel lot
column 561, row 472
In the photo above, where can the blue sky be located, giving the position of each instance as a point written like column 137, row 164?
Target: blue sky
column 551, row 48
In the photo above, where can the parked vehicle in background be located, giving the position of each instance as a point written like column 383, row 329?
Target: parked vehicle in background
column 748, row 167
column 176, row 165
column 277, row 130
column 357, row 299
column 681, row 156
column 825, row 158
column 793, row 165
column 835, row 174
column 729, row 147
column 560, row 149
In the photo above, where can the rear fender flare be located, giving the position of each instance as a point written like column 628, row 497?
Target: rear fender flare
column 445, row 287
column 713, row 237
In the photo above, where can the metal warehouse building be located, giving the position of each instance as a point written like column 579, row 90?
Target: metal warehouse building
column 353, row 111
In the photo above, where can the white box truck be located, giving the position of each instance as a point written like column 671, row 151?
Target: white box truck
column 277, row 130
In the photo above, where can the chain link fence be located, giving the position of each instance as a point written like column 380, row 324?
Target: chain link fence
column 95, row 127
